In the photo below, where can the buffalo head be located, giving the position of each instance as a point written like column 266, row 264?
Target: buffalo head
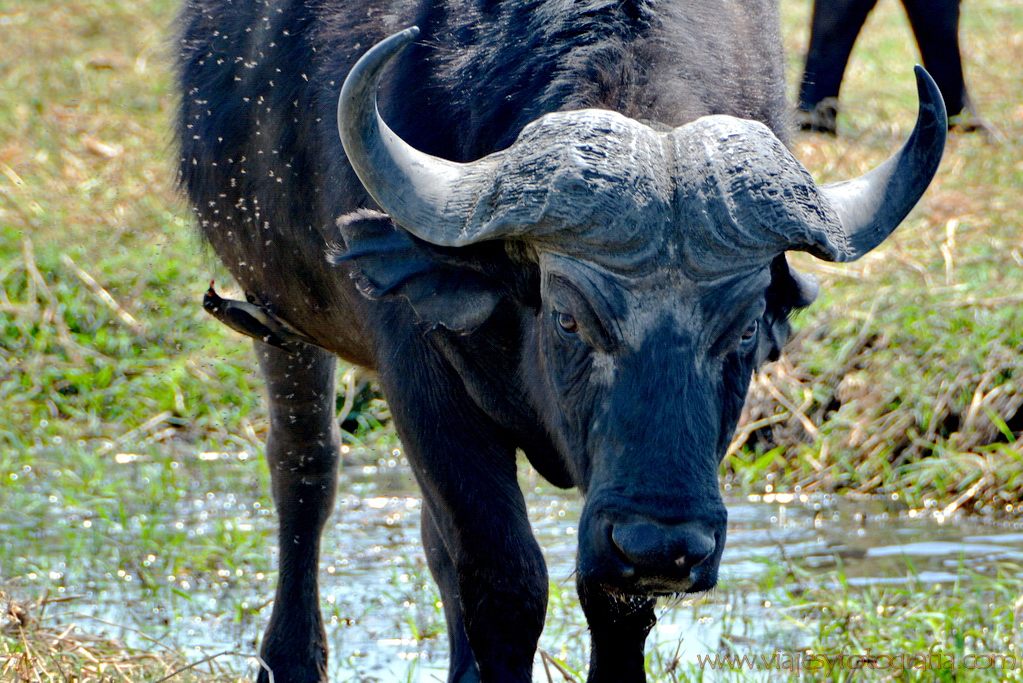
column 662, row 285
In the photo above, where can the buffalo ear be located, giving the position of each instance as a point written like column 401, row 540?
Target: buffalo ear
column 790, row 291
column 388, row 261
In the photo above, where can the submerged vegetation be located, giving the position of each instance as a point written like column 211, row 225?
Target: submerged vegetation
column 131, row 420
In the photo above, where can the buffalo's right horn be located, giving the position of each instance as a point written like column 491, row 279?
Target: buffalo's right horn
column 870, row 207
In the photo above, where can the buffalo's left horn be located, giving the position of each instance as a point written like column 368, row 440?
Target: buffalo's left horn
column 416, row 189
column 870, row 207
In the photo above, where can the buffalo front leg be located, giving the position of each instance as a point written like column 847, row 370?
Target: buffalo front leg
column 302, row 452
column 478, row 538
column 463, row 667
column 490, row 570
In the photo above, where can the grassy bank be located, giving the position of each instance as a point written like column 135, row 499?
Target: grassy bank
column 122, row 401
column 904, row 378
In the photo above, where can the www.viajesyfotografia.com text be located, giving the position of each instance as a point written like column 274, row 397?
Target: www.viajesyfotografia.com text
column 822, row 662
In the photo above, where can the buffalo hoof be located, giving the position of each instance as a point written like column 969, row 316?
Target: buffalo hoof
column 822, row 118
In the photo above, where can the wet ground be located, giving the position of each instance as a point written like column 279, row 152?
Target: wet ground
column 383, row 613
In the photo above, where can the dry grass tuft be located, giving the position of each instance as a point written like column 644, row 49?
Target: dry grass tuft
column 33, row 651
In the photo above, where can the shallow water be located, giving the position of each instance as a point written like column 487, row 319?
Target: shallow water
column 383, row 616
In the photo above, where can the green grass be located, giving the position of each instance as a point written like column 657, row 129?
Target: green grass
column 87, row 193
column 903, row 380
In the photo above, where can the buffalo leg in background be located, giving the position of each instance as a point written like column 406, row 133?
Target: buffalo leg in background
column 936, row 27
column 833, row 31
column 302, row 452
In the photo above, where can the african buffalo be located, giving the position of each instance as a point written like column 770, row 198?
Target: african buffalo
column 568, row 238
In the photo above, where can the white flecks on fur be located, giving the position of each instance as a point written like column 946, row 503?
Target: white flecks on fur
column 603, row 369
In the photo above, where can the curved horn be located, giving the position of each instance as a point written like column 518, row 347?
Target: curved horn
column 416, row 189
column 870, row 207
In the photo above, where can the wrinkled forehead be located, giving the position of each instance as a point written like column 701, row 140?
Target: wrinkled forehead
column 718, row 197
column 667, row 298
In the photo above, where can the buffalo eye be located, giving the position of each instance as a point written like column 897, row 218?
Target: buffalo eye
column 750, row 332
column 566, row 322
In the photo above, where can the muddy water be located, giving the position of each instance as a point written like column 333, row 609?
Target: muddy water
column 384, row 617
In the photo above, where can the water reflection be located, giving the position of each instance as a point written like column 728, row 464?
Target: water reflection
column 384, row 616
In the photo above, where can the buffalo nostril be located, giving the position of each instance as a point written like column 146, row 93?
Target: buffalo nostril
column 641, row 543
column 698, row 545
